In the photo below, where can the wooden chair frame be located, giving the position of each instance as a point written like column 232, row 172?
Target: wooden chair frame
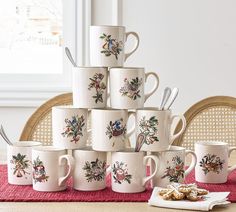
column 41, row 112
column 199, row 107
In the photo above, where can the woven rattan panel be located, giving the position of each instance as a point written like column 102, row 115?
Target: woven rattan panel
column 43, row 130
column 214, row 123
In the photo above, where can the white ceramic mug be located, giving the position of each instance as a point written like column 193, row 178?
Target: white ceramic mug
column 107, row 45
column 212, row 161
column 69, row 126
column 90, row 87
column 109, row 129
column 172, row 166
column 129, row 171
column 52, row 167
column 19, row 163
column 127, row 87
column 90, row 170
column 153, row 129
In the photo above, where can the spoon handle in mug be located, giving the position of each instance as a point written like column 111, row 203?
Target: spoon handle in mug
column 69, row 55
column 165, row 97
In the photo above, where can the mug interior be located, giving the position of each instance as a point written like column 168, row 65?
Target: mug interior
column 84, row 149
column 48, row 149
column 108, row 109
column 67, row 107
column 106, row 26
column 89, row 67
column 27, row 143
column 129, row 151
column 127, row 68
column 174, row 148
column 211, row 143
column 155, row 109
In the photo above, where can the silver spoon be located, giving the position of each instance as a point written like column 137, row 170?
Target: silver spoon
column 5, row 139
column 69, row 55
column 174, row 94
column 4, row 136
column 165, row 97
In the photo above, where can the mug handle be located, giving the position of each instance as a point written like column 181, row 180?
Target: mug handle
column 156, row 85
column 108, row 170
column 89, row 132
column 156, row 161
column 108, row 99
column 71, row 164
column 131, row 131
column 231, row 149
column 174, row 136
column 136, row 43
column 193, row 161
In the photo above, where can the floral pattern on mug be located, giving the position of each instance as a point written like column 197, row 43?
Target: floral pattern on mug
column 98, row 85
column 120, row 173
column 20, row 165
column 39, row 173
column 176, row 172
column 116, row 128
column 131, row 88
column 95, row 170
column 111, row 46
column 148, row 130
column 211, row 163
column 74, row 128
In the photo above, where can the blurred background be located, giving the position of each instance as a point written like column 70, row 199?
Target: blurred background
column 190, row 44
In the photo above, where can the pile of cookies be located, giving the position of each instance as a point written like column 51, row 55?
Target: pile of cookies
column 182, row 191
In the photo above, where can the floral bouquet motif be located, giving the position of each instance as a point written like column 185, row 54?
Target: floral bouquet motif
column 131, row 88
column 21, row 163
column 116, row 129
column 148, row 129
column 211, row 163
column 95, row 170
column 74, row 128
column 120, row 173
column 39, row 173
column 98, row 85
column 111, row 46
column 175, row 172
column 148, row 132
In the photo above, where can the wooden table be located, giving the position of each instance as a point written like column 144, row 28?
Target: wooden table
column 94, row 207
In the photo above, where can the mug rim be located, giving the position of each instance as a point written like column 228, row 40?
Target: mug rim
column 174, row 149
column 48, row 149
column 26, row 144
column 156, row 109
column 124, row 68
column 108, row 109
column 91, row 67
column 128, row 151
column 211, row 143
column 108, row 26
column 86, row 149
column 68, row 107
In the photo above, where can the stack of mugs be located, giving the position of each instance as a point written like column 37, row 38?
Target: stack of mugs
column 109, row 131
column 49, row 167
